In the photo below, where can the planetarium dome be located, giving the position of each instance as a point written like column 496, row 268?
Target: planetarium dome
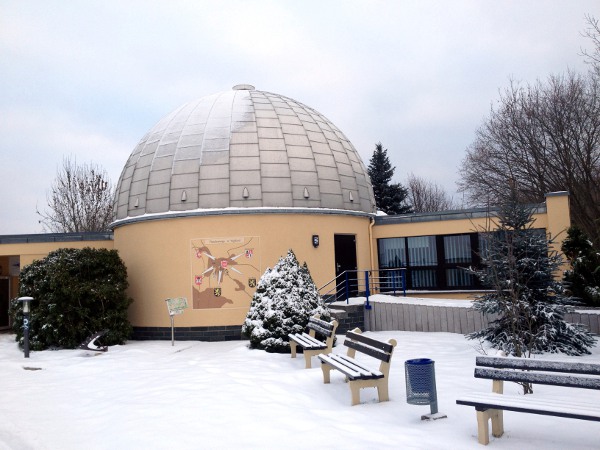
column 239, row 149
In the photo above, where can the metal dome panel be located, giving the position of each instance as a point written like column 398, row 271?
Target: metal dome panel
column 243, row 149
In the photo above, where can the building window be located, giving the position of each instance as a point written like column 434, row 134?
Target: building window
column 422, row 251
column 392, row 253
column 432, row 262
column 457, row 249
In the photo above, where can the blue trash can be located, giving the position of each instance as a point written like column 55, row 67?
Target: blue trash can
column 420, row 383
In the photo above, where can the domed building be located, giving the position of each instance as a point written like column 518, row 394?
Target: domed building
column 221, row 188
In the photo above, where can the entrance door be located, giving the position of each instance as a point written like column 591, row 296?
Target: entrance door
column 4, row 301
column 345, row 261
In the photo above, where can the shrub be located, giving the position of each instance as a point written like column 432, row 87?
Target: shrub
column 583, row 279
column 76, row 293
column 285, row 298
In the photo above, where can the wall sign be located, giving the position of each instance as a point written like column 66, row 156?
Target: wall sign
column 224, row 271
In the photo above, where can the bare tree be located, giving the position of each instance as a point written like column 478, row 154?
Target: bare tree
column 592, row 32
column 427, row 196
column 79, row 200
column 541, row 138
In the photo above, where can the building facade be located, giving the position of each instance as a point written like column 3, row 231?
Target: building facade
column 221, row 188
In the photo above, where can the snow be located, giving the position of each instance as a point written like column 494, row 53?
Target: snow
column 222, row 395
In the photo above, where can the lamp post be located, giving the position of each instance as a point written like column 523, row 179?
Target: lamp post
column 26, row 309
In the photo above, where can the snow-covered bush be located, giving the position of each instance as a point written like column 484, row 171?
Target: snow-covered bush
column 76, row 292
column 527, row 299
column 285, row 298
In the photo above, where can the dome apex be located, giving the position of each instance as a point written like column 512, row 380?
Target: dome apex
column 243, row 87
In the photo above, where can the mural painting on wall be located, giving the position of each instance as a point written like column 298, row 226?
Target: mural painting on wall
column 225, row 271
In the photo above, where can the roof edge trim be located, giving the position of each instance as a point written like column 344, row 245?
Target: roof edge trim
column 236, row 211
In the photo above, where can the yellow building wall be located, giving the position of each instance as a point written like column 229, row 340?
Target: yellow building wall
column 31, row 251
column 159, row 256
column 555, row 220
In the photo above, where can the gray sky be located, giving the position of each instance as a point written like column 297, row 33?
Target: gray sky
column 88, row 79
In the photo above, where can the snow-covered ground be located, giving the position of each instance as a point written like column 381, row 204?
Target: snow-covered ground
column 199, row 395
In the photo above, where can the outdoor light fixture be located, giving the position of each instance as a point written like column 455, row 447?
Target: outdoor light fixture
column 315, row 240
column 26, row 309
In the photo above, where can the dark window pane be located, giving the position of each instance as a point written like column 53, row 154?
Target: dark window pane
column 421, row 251
column 458, row 278
column 457, row 249
column 423, row 278
column 392, row 253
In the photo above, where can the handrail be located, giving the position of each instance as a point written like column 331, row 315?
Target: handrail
column 351, row 283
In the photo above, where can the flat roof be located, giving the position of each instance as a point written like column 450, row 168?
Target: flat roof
column 55, row 237
column 457, row 214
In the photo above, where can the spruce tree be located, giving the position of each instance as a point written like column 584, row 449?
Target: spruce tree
column 285, row 298
column 583, row 279
column 527, row 303
column 389, row 197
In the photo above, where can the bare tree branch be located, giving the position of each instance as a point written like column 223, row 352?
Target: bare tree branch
column 541, row 138
column 427, row 196
column 80, row 199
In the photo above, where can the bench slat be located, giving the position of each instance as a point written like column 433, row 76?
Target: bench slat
column 383, row 346
column 352, row 365
column 307, row 342
column 320, row 330
column 339, row 366
column 350, row 368
column 539, row 378
column 354, row 362
column 368, row 350
column 527, row 404
column 320, row 326
column 536, row 364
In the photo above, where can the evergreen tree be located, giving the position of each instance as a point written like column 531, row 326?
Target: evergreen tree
column 285, row 298
column 528, row 304
column 583, row 279
column 389, row 197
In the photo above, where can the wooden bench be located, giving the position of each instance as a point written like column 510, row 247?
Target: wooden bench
column 357, row 373
column 311, row 346
column 523, row 370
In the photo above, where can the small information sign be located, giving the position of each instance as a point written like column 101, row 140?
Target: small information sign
column 176, row 305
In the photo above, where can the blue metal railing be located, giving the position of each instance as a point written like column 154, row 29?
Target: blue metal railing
column 364, row 283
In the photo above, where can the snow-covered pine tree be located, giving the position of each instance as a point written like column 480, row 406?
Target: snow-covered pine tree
column 527, row 300
column 582, row 281
column 285, row 298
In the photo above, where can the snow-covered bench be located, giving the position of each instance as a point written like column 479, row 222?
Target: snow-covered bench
column 311, row 346
column 358, row 374
column 523, row 370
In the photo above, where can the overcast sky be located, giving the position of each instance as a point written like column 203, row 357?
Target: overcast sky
column 88, row 79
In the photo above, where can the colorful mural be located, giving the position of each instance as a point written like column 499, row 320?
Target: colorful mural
column 221, row 266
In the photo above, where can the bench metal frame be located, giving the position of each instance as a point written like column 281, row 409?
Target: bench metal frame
column 490, row 406
column 359, row 375
column 311, row 346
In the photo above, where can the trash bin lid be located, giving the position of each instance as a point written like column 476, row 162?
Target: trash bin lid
column 419, row 361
